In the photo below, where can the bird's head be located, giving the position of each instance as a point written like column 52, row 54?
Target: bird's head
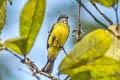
column 63, row 18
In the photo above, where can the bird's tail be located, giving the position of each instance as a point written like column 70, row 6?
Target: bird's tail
column 48, row 67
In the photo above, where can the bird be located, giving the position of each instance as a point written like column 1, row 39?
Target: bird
column 56, row 40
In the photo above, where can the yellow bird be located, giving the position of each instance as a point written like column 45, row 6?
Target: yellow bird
column 56, row 40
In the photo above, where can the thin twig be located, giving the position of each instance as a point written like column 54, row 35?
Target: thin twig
column 107, row 19
column 64, row 50
column 99, row 21
column 29, row 74
column 79, row 29
column 32, row 66
column 11, row 2
column 47, row 75
column 93, row 16
column 13, row 53
column 116, row 12
column 67, row 78
column 24, row 71
column 61, row 46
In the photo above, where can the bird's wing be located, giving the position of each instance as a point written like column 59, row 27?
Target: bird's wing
column 49, row 36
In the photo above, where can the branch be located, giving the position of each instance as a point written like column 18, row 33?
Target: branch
column 13, row 53
column 107, row 19
column 79, row 29
column 32, row 66
column 37, row 77
column 116, row 12
column 47, row 75
column 94, row 16
column 67, row 78
column 118, row 36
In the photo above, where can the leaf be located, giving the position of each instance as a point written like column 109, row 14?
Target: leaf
column 107, row 3
column 96, row 75
column 11, row 2
column 1, row 3
column 16, row 44
column 114, row 50
column 31, row 21
column 88, row 49
column 81, row 76
column 105, row 68
column 1, row 45
column 102, row 68
column 3, row 11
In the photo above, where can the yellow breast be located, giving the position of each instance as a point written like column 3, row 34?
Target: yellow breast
column 60, row 31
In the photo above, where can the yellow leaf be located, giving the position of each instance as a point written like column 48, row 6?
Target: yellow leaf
column 91, row 47
column 1, row 46
column 3, row 6
column 103, row 66
column 114, row 50
column 82, row 75
column 31, row 21
column 16, row 44
column 107, row 3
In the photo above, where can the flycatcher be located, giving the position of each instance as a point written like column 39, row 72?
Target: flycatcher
column 56, row 40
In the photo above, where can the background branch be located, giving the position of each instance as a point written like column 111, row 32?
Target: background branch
column 37, row 77
column 106, row 18
column 79, row 29
column 32, row 66
column 13, row 53
column 94, row 16
column 67, row 78
column 116, row 12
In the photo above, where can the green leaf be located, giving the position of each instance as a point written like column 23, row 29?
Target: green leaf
column 114, row 50
column 107, row 3
column 17, row 45
column 31, row 21
column 3, row 6
column 81, row 76
column 1, row 3
column 91, row 47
